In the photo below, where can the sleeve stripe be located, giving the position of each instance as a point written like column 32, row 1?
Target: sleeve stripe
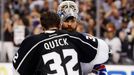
column 50, row 39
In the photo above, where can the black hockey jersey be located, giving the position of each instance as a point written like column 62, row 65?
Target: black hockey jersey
column 54, row 53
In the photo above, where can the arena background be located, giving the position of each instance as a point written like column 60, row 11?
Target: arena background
column 110, row 20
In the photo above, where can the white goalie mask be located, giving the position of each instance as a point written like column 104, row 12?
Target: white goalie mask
column 67, row 9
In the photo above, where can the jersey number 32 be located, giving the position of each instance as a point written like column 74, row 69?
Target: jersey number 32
column 58, row 61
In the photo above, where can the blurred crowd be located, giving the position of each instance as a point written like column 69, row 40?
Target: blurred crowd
column 115, row 19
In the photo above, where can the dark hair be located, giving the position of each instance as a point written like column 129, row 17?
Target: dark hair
column 49, row 19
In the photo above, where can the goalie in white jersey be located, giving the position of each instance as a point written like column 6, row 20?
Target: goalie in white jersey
column 68, row 12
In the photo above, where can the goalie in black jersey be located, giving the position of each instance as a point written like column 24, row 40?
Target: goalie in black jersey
column 55, row 52
column 68, row 12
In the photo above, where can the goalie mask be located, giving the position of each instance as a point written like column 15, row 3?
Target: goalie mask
column 67, row 9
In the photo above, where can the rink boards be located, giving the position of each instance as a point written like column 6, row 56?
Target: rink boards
column 7, row 69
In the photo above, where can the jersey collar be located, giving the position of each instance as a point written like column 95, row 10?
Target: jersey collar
column 51, row 30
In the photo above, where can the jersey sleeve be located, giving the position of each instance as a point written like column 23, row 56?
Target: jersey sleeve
column 101, row 48
column 102, row 52
column 23, row 60
column 86, row 46
column 92, row 49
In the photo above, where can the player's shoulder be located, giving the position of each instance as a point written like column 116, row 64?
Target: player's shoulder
column 36, row 38
column 92, row 39
column 31, row 40
column 83, row 37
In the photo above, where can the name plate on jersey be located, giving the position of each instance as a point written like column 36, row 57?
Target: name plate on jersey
column 55, row 43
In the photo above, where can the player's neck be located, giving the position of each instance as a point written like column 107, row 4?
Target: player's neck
column 51, row 30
